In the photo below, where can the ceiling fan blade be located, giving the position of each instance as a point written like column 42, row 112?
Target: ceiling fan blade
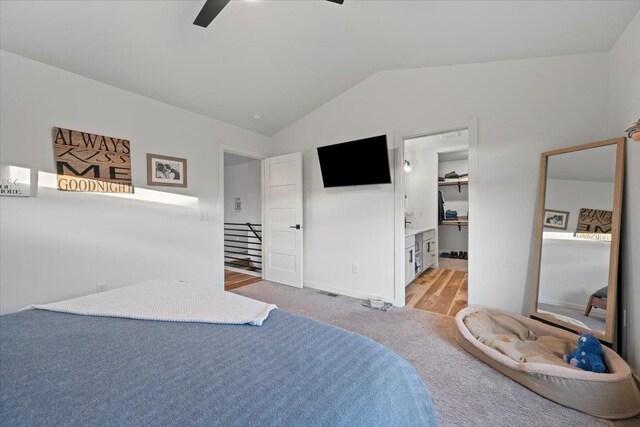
column 209, row 11
column 336, row 1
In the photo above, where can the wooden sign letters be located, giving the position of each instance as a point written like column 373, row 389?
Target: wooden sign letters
column 91, row 163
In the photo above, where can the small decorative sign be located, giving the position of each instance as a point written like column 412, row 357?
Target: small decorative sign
column 15, row 181
column 91, row 163
column 595, row 224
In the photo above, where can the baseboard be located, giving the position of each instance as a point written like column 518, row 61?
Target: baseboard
column 563, row 304
column 344, row 291
column 240, row 270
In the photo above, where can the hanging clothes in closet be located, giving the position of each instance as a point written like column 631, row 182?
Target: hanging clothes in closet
column 440, row 207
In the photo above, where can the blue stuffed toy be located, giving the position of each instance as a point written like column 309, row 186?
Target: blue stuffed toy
column 588, row 355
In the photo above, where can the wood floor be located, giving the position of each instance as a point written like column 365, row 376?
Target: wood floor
column 235, row 280
column 439, row 290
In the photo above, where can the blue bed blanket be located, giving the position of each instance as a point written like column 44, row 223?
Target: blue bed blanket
column 66, row 369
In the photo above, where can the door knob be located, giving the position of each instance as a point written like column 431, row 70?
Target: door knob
column 297, row 226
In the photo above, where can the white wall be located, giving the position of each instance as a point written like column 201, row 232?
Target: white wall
column 624, row 108
column 588, row 259
column 570, row 196
column 243, row 181
column 59, row 245
column 523, row 107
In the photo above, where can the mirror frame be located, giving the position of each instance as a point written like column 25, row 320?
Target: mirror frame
column 609, row 331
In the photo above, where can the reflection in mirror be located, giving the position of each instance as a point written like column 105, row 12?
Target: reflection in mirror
column 576, row 237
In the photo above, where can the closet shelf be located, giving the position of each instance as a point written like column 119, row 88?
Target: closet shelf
column 461, row 222
column 458, row 182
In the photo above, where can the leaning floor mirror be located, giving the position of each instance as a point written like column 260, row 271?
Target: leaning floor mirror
column 575, row 268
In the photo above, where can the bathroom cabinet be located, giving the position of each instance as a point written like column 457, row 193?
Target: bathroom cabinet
column 420, row 252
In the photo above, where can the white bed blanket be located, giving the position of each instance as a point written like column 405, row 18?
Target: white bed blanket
column 169, row 301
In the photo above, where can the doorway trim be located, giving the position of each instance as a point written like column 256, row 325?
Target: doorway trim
column 222, row 149
column 399, row 189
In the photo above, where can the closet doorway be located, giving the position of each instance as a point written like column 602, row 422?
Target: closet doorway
column 453, row 210
column 437, row 193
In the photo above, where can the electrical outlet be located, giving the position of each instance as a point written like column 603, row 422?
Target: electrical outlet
column 583, row 290
column 102, row 287
column 354, row 268
column 204, row 216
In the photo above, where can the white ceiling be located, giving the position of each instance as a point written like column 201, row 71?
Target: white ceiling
column 285, row 58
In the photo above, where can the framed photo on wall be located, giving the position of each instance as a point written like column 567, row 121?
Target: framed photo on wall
column 556, row 219
column 166, row 171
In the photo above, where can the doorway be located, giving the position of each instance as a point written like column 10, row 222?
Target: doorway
column 261, row 212
column 453, row 209
column 435, row 200
column 242, row 207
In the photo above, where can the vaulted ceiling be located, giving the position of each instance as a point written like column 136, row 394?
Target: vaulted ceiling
column 283, row 59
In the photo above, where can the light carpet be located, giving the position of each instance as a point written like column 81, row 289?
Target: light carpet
column 465, row 391
column 596, row 320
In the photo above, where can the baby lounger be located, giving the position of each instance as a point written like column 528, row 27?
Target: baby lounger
column 612, row 395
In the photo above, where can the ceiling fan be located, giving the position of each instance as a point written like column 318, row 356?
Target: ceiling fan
column 212, row 8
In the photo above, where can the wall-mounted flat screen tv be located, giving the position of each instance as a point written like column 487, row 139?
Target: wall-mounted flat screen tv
column 360, row 162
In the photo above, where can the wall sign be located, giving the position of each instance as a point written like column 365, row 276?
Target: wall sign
column 15, row 181
column 594, row 224
column 91, row 163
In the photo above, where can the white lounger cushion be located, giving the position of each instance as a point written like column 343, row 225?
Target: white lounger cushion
column 170, row 301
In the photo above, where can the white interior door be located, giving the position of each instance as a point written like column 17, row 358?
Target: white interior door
column 282, row 229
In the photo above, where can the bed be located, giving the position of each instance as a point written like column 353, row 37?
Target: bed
column 68, row 369
column 612, row 395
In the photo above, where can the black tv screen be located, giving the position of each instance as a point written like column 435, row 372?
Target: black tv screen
column 360, row 162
